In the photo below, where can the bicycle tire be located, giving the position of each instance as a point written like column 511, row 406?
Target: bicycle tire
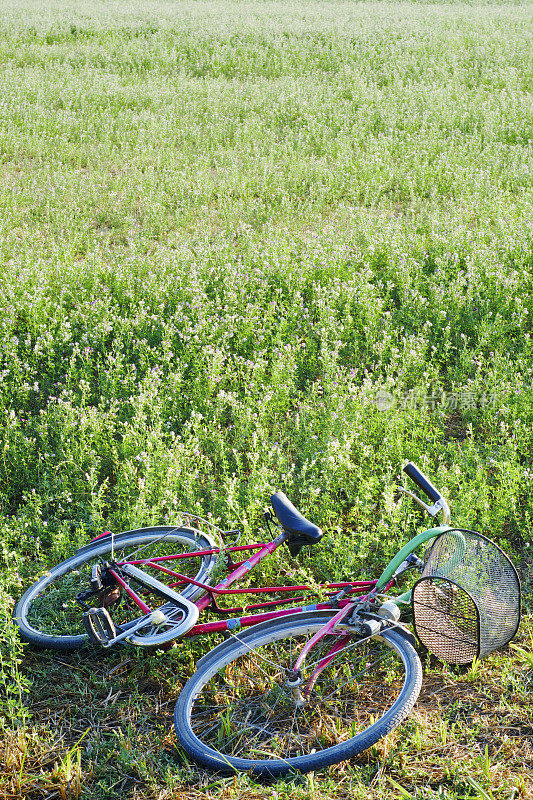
column 198, row 724
column 51, row 601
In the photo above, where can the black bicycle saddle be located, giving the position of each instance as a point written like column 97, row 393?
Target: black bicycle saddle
column 291, row 520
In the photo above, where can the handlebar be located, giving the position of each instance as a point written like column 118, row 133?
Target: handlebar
column 423, row 482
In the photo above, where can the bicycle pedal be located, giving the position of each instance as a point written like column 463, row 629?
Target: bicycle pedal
column 99, row 626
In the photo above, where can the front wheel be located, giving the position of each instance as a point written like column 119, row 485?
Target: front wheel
column 50, row 614
column 239, row 713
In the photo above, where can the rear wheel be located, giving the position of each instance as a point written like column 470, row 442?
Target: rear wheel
column 50, row 613
column 238, row 711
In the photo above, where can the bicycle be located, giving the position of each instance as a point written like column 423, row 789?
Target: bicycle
column 296, row 688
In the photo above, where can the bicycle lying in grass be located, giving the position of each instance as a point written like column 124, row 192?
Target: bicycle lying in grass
column 298, row 687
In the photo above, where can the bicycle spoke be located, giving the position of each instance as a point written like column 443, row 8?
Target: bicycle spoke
column 135, row 553
column 290, row 733
column 267, row 720
column 250, row 649
column 366, row 670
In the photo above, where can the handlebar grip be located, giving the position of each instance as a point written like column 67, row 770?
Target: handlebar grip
column 421, row 481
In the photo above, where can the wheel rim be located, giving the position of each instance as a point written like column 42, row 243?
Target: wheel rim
column 50, row 608
column 245, row 712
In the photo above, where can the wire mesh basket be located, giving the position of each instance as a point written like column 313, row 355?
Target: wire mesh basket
column 467, row 602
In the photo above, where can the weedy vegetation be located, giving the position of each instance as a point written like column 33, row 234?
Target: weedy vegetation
column 248, row 246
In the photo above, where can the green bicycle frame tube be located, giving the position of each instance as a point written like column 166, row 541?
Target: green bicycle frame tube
column 410, row 547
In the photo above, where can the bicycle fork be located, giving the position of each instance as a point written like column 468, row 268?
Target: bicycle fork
column 294, row 676
column 367, row 629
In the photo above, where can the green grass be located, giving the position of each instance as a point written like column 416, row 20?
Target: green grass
column 225, row 228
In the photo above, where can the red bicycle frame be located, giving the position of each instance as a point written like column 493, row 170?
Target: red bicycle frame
column 240, row 569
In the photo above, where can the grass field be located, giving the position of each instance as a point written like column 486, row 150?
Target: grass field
column 248, row 246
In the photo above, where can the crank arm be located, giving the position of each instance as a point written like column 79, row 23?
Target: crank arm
column 133, row 627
